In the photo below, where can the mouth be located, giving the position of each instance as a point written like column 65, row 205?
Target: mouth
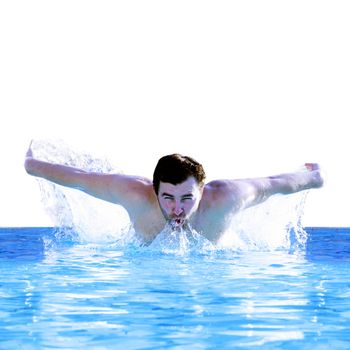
column 177, row 222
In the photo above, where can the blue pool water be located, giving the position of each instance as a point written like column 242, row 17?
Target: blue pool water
column 60, row 293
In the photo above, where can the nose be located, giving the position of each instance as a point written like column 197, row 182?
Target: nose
column 177, row 210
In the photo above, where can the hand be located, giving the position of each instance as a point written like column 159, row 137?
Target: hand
column 29, row 153
column 29, row 159
column 318, row 177
column 312, row 166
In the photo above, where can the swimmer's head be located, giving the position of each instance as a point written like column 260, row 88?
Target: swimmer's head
column 178, row 182
column 175, row 169
column 180, row 202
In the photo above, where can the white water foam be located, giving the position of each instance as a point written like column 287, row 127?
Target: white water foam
column 73, row 211
column 180, row 241
column 274, row 224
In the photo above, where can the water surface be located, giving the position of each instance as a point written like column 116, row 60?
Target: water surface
column 58, row 293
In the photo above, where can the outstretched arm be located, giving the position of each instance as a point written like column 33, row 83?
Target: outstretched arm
column 258, row 190
column 240, row 194
column 57, row 173
column 116, row 188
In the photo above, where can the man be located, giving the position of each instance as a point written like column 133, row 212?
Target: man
column 178, row 194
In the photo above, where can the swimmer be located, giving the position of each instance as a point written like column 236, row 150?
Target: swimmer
column 178, row 194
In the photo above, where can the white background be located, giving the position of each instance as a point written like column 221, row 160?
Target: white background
column 248, row 88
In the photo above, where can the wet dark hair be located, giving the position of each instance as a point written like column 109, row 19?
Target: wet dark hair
column 175, row 169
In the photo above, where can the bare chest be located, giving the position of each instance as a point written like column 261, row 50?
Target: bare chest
column 213, row 226
column 208, row 221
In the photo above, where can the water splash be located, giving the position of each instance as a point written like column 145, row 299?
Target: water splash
column 272, row 225
column 180, row 241
column 73, row 212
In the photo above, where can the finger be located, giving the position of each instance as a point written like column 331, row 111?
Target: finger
column 312, row 166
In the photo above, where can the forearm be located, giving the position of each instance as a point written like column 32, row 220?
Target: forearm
column 59, row 174
column 249, row 192
column 295, row 182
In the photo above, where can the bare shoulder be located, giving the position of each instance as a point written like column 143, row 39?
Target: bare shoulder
column 219, row 188
column 131, row 186
column 131, row 182
column 222, row 194
column 220, row 200
column 214, row 190
column 129, row 191
column 136, row 194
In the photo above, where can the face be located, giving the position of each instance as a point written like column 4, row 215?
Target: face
column 179, row 202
